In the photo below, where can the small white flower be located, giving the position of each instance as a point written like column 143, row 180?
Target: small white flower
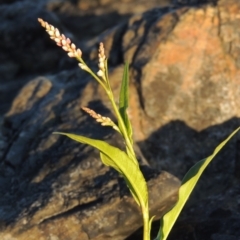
column 71, row 54
column 57, row 33
column 51, row 33
column 65, row 48
column 101, row 65
column 82, row 66
column 78, row 53
column 100, row 73
column 57, row 40
column 64, row 42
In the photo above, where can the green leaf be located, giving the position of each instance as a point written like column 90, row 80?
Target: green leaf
column 123, row 101
column 109, row 162
column 119, row 160
column 150, row 224
column 187, row 186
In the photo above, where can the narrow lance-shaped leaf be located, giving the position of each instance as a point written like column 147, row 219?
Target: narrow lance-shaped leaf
column 123, row 101
column 131, row 185
column 188, row 184
column 119, row 160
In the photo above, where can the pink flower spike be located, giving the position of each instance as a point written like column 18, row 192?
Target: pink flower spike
column 101, row 59
column 62, row 41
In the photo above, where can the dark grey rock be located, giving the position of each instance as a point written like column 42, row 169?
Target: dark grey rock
column 52, row 187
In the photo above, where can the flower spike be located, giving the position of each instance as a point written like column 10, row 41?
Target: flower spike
column 61, row 40
column 102, row 58
column 105, row 121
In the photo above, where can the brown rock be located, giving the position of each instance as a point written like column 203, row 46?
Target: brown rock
column 183, row 73
column 183, row 102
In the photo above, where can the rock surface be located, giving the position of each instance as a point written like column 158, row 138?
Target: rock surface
column 184, row 100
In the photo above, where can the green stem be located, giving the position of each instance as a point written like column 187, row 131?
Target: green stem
column 108, row 90
column 106, row 85
column 93, row 74
column 122, row 126
column 146, row 227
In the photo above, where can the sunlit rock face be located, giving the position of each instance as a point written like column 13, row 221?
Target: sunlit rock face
column 184, row 100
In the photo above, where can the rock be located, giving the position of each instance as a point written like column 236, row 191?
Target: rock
column 109, row 13
column 25, row 49
column 183, row 103
column 167, row 65
column 187, row 79
column 21, row 43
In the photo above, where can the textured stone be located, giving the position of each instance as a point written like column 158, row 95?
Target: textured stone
column 184, row 96
column 187, row 83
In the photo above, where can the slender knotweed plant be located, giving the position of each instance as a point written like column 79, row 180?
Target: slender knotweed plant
column 125, row 162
